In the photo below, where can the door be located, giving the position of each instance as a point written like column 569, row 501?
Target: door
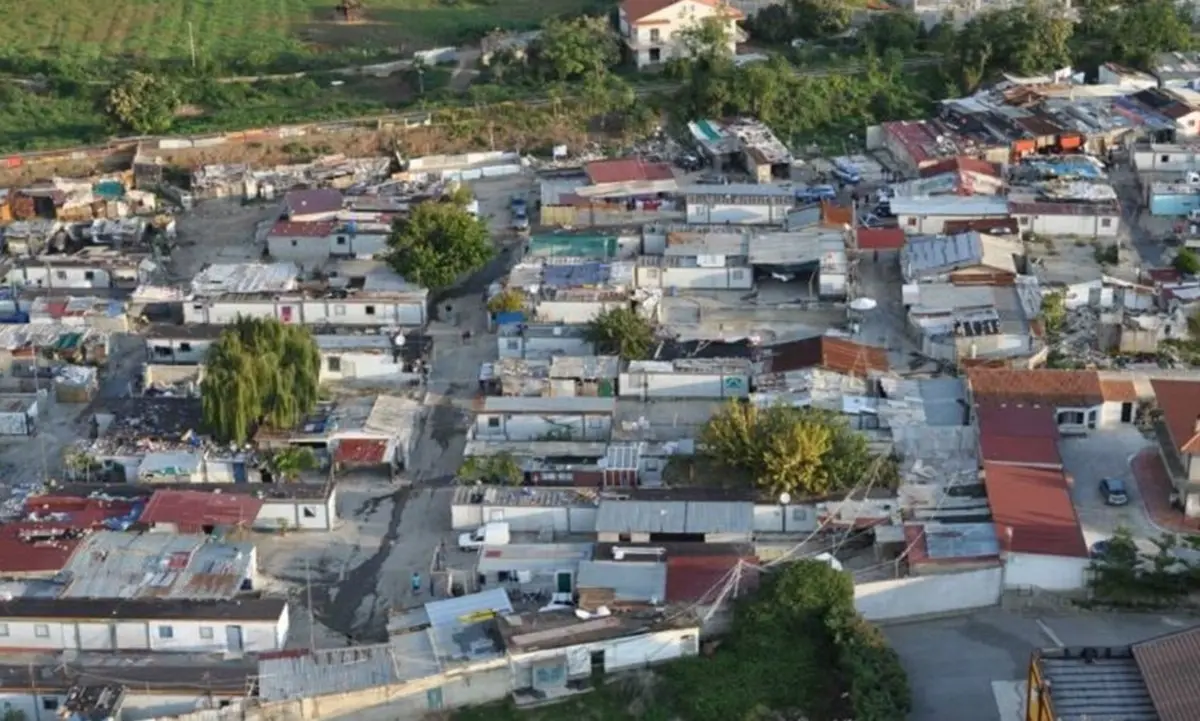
column 239, row 472
column 562, row 582
column 233, row 638
column 433, row 698
column 1127, row 413
column 285, row 314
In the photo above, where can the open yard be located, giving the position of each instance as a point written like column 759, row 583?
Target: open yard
column 256, row 34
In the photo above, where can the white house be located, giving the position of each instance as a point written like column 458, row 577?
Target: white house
column 1085, row 220
column 928, row 216
column 167, row 343
column 738, row 204
column 694, row 273
column 686, row 378
column 312, row 244
column 89, row 268
column 540, row 418
column 374, row 358
column 542, row 341
column 651, row 28
column 191, row 626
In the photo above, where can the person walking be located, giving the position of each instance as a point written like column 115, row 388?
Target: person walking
column 416, row 583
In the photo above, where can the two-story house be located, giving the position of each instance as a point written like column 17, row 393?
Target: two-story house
column 651, row 28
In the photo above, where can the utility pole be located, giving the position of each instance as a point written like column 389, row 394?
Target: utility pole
column 192, row 44
column 312, row 623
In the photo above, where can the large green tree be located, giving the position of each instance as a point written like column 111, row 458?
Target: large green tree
column 259, row 371
column 623, row 332
column 1133, row 31
column 584, row 47
column 143, row 103
column 1028, row 39
column 794, row 450
column 437, row 243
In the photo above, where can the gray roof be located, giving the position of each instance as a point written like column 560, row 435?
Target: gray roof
column 449, row 612
column 738, row 191
column 1102, row 688
column 533, row 557
column 675, row 517
column 629, row 581
column 340, row 670
column 943, row 253
column 567, row 404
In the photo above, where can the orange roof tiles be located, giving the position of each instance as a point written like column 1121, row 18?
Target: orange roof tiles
column 1032, row 510
column 1052, row 387
column 637, row 9
column 1170, row 667
column 1118, row 391
column 1179, row 402
column 627, row 170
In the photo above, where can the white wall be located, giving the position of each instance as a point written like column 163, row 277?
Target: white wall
column 1049, row 573
column 532, row 427
column 1088, row 226
column 917, row 596
column 43, row 276
column 185, row 635
column 1162, row 160
column 756, row 214
column 305, row 515
column 46, row 704
column 342, row 311
column 180, row 352
column 558, row 311
column 563, row 519
column 683, row 385
column 732, row 278
column 363, row 366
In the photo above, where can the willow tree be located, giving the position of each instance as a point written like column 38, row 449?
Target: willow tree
column 259, row 371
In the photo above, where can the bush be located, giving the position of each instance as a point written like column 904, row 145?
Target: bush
column 1187, row 262
column 875, row 682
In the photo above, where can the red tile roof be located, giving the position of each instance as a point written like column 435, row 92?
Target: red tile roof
column 1032, row 510
column 364, row 451
column 959, row 164
column 315, row 229
column 1163, row 275
column 880, row 238
column 1019, row 434
column 1179, row 402
column 1021, row 451
column 1118, row 390
column 694, row 578
column 834, row 354
column 627, row 170
column 1170, row 667
column 192, row 510
column 313, row 201
column 1051, row 387
column 637, row 9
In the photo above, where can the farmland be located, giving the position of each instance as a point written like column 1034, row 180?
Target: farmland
column 257, row 35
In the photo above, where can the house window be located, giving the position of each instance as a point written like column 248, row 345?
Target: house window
column 493, row 422
column 206, row 633
column 1106, row 222
column 308, row 512
column 198, row 308
column 655, row 36
column 1164, row 159
column 89, row 275
column 294, row 242
column 335, row 364
column 1074, row 418
column 737, row 274
column 512, row 344
column 655, row 55
column 339, row 310
column 1024, row 220
column 370, row 310
column 341, row 240
column 912, row 222
column 49, row 704
column 60, row 274
column 3, row 629
column 185, row 347
column 41, row 630
column 799, row 514
column 166, row 632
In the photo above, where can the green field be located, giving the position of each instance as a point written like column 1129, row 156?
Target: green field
column 256, row 34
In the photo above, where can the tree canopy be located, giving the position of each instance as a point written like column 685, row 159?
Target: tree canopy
column 623, row 332
column 794, row 450
column 143, row 103
column 583, row 47
column 799, row 19
column 501, row 468
column 437, row 243
column 509, row 300
column 259, row 371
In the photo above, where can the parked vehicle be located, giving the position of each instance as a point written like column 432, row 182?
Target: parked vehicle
column 846, row 173
column 816, row 193
column 689, row 162
column 489, row 534
column 520, row 213
column 1113, row 490
column 1099, row 549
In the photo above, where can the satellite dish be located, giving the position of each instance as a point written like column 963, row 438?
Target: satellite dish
column 863, row 304
column 785, row 498
column 398, row 340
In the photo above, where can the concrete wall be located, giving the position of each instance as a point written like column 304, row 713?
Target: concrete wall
column 795, row 518
column 1048, row 573
column 918, row 596
column 362, row 365
column 356, row 312
column 552, row 311
column 313, row 515
column 1087, row 226
column 717, row 213
column 532, row 427
column 47, row 704
column 133, row 635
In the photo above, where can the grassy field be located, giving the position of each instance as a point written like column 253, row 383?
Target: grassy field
column 257, row 34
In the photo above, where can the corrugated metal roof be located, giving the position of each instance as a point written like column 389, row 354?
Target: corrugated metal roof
column 533, row 557
column 675, row 517
column 638, row 581
column 978, row 206
column 1109, row 686
column 194, row 509
column 450, row 612
column 932, row 254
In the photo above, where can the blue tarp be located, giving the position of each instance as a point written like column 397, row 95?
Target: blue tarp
column 512, row 317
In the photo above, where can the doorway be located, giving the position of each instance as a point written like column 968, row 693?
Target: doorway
column 1127, row 413
column 233, row 638
column 562, row 582
column 598, row 663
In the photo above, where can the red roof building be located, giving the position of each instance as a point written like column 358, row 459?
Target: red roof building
column 699, row 579
column 362, row 452
column 627, row 170
column 53, row 526
column 879, row 238
column 1032, row 510
column 1024, row 435
column 199, row 512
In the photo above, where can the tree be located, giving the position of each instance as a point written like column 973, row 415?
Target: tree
column 1186, row 262
column 623, row 332
column 1132, row 32
column 259, row 371
column 1054, row 312
column 584, row 47
column 897, row 30
column 1028, row 39
column 509, row 300
column 825, row 18
column 288, row 463
column 781, row 449
column 437, row 243
column 143, row 103
column 501, row 468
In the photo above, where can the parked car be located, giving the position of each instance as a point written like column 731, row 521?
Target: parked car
column 1099, row 549
column 520, row 213
column 1113, row 491
column 816, row 193
column 689, row 162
